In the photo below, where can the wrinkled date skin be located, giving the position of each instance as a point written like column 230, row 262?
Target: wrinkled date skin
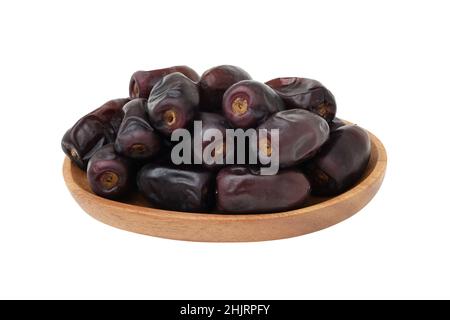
column 136, row 138
column 109, row 174
column 248, row 103
column 341, row 162
column 305, row 94
column 176, row 188
column 210, row 121
column 215, row 81
column 142, row 82
column 243, row 190
column 173, row 103
column 93, row 131
column 301, row 134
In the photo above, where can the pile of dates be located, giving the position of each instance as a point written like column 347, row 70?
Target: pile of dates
column 126, row 144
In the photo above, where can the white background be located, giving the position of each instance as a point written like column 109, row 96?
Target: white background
column 387, row 63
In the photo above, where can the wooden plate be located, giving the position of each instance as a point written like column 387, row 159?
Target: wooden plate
column 137, row 216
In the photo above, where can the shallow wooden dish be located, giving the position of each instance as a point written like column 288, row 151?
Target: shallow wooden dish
column 135, row 214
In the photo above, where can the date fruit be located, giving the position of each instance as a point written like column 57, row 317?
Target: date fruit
column 173, row 103
column 93, row 131
column 109, row 175
column 142, row 82
column 301, row 133
column 215, row 81
column 248, row 103
column 176, row 188
column 305, row 94
column 136, row 138
column 298, row 148
column 244, row 190
column 210, row 121
column 341, row 162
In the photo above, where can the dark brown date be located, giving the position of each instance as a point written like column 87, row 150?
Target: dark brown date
column 301, row 133
column 210, row 121
column 93, row 131
column 305, row 94
column 173, row 103
column 109, row 174
column 248, row 103
column 178, row 189
column 136, row 138
column 244, row 190
column 142, row 82
column 341, row 161
column 215, row 81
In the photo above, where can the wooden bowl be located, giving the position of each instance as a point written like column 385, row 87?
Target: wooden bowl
column 137, row 215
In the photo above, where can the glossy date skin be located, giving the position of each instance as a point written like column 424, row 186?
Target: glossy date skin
column 136, row 138
column 305, row 94
column 210, row 121
column 215, row 81
column 341, row 162
column 248, row 103
column 93, row 131
column 173, row 103
column 142, row 82
column 244, row 190
column 301, row 134
column 109, row 175
column 177, row 188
